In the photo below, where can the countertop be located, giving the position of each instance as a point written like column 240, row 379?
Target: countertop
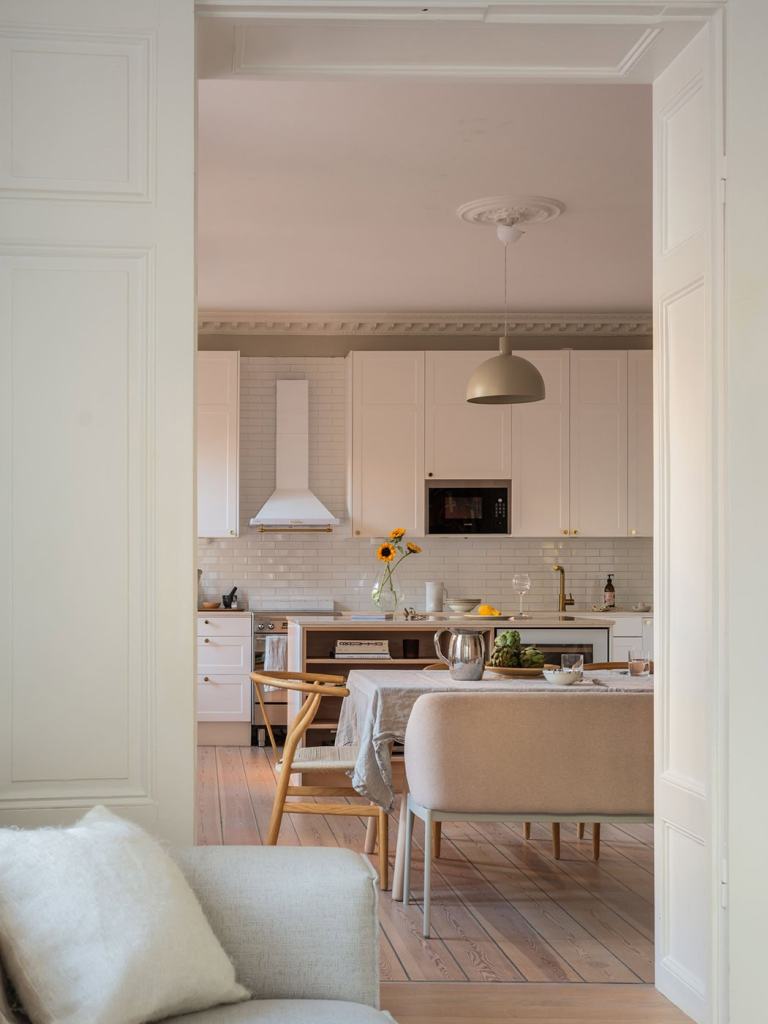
column 540, row 620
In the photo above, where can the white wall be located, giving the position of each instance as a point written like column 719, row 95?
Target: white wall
column 747, row 482
column 276, row 567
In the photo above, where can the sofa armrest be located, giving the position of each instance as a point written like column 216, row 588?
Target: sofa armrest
column 296, row 922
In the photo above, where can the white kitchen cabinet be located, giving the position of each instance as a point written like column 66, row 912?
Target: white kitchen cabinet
column 218, row 444
column 387, row 434
column 540, row 453
column 463, row 441
column 224, row 664
column 598, row 472
column 640, row 443
column 631, row 633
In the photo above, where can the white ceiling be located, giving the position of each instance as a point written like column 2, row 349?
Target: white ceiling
column 341, row 195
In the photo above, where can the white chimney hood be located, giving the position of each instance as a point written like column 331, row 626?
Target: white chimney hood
column 292, row 504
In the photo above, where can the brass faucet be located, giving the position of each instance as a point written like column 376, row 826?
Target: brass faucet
column 563, row 601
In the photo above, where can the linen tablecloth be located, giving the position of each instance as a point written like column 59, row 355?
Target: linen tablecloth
column 378, row 707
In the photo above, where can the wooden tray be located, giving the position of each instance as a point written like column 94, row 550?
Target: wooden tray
column 516, row 673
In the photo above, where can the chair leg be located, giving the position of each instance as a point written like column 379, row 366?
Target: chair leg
column 370, row 835
column 595, row 840
column 437, row 835
column 278, row 807
column 527, row 829
column 556, row 840
column 581, row 829
column 427, row 874
column 406, row 825
column 383, row 836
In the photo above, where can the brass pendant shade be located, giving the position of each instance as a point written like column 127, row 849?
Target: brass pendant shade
column 505, row 380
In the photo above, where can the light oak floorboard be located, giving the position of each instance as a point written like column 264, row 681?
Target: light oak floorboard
column 504, row 911
column 528, row 1004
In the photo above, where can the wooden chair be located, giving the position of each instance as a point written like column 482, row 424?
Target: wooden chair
column 603, row 771
column 315, row 759
column 597, row 666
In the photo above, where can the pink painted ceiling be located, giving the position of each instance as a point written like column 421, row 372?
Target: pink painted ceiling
column 341, row 195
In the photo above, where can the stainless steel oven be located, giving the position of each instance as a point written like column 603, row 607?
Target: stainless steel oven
column 468, row 506
column 554, row 642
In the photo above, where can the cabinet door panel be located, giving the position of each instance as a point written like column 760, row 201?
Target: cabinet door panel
column 640, row 444
column 599, row 444
column 223, row 698
column 218, row 445
column 463, row 441
column 540, row 452
column 226, row 654
column 387, row 442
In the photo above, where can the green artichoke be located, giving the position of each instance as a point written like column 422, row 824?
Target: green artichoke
column 531, row 657
column 506, row 650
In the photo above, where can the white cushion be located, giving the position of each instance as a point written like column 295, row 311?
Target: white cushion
column 99, row 926
column 289, row 1011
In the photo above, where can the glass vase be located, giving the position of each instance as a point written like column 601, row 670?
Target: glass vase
column 386, row 595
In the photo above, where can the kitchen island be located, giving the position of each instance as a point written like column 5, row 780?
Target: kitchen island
column 312, row 645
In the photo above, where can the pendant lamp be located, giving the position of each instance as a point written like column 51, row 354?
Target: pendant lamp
column 507, row 379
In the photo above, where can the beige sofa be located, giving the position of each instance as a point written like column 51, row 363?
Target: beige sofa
column 301, row 927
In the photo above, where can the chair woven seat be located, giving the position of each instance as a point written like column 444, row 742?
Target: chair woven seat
column 324, row 759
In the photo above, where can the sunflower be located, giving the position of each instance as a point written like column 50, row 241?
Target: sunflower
column 397, row 534
column 413, row 549
column 386, row 553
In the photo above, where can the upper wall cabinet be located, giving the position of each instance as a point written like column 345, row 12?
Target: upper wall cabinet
column 218, row 443
column 387, row 426
column 540, row 453
column 462, row 441
column 599, row 444
column 640, row 444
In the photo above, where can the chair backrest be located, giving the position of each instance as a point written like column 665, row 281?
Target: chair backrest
column 597, row 665
column 509, row 753
column 315, row 685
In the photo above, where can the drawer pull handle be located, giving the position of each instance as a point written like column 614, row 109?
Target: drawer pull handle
column 206, row 641
column 206, row 679
column 207, row 622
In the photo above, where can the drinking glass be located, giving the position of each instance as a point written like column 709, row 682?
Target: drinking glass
column 572, row 663
column 639, row 663
column 521, row 584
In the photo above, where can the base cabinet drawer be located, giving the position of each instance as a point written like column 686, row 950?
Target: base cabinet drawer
column 224, row 625
column 229, row 654
column 223, row 698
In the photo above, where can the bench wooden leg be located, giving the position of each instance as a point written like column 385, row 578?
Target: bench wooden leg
column 370, row 835
column 581, row 830
column 527, row 829
column 596, row 840
column 556, row 840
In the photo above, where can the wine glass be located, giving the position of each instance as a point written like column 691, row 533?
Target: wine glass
column 521, row 584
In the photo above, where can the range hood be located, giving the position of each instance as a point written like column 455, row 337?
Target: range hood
column 292, row 505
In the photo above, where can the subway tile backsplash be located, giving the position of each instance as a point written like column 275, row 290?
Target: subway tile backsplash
column 275, row 567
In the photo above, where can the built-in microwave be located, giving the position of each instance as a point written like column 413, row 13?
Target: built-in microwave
column 467, row 506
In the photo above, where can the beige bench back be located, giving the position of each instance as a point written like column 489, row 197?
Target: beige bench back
column 509, row 753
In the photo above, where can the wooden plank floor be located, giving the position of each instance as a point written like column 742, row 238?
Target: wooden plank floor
column 503, row 909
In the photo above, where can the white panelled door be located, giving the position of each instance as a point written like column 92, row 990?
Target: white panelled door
column 599, row 444
column 540, row 499
column 640, row 444
column 685, row 110
column 387, row 442
column 97, row 344
column 218, row 444
column 463, row 441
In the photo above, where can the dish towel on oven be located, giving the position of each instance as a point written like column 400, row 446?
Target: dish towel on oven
column 275, row 655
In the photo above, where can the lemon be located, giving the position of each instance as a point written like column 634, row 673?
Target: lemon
column 488, row 609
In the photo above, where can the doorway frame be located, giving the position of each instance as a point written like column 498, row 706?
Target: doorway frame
column 710, row 14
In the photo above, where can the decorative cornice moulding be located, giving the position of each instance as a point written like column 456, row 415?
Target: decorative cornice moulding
column 425, row 324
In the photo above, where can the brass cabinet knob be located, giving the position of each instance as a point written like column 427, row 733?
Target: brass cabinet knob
column 633, row 533
column 206, row 679
column 430, row 474
column 574, row 532
column 357, row 533
column 206, row 622
column 565, row 533
column 206, row 641
column 231, row 533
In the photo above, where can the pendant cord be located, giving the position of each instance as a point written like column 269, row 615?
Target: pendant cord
column 506, row 304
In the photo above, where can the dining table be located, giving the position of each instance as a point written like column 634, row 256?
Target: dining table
column 375, row 714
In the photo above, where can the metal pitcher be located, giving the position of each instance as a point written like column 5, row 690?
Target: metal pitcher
column 466, row 652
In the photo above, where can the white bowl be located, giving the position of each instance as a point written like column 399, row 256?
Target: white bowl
column 462, row 605
column 557, row 675
column 642, row 607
